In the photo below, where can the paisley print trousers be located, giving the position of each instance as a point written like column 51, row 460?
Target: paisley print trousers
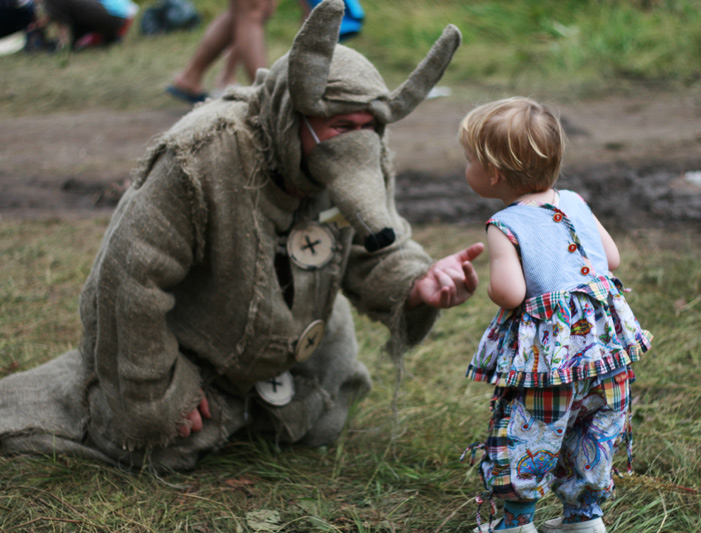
column 561, row 438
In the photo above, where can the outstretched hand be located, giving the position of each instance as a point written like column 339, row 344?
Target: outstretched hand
column 195, row 418
column 449, row 282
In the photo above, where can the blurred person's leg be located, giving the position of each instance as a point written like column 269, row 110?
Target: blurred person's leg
column 250, row 17
column 216, row 39
column 227, row 76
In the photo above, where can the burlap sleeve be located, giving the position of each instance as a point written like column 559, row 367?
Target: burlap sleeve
column 148, row 385
column 378, row 284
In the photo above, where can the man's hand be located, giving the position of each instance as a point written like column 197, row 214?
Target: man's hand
column 449, row 282
column 195, row 418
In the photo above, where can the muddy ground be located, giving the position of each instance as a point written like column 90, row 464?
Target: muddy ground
column 636, row 159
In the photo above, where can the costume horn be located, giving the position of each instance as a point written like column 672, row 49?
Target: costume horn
column 310, row 57
column 414, row 90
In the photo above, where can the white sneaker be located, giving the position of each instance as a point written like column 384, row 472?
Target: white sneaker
column 590, row 526
column 528, row 528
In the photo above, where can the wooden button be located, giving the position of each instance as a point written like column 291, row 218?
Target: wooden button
column 310, row 340
column 311, row 245
column 277, row 391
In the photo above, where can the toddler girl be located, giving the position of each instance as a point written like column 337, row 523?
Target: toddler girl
column 560, row 347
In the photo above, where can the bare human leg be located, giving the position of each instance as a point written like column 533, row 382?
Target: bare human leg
column 227, row 76
column 217, row 38
column 249, row 22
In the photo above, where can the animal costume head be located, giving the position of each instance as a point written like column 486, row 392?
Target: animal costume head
column 320, row 77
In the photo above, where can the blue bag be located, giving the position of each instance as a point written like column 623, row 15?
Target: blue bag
column 353, row 18
column 169, row 15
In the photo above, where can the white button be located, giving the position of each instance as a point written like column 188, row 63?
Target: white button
column 277, row 391
column 310, row 340
column 311, row 245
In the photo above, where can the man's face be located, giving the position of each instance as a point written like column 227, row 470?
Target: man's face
column 327, row 127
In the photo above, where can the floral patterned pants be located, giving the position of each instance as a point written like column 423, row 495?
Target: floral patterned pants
column 560, row 438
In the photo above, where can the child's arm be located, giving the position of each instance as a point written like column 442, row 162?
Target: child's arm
column 612, row 255
column 507, row 285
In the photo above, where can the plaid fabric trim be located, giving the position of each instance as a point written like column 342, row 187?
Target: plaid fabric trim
column 544, row 306
column 548, row 405
column 559, row 377
column 496, row 448
column 575, row 239
column 616, row 391
column 509, row 234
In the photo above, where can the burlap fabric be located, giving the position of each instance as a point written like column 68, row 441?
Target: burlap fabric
column 195, row 288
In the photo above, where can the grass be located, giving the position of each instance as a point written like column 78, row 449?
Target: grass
column 383, row 474
column 568, row 48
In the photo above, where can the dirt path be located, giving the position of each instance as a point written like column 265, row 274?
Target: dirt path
column 634, row 158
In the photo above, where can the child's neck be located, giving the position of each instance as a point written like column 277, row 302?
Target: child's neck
column 544, row 197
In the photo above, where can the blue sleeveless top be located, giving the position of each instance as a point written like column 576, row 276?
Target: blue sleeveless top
column 560, row 247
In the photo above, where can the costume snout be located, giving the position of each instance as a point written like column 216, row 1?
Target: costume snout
column 349, row 167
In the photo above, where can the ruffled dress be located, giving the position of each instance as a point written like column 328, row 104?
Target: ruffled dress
column 581, row 327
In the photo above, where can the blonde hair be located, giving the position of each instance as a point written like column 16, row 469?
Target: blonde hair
column 522, row 139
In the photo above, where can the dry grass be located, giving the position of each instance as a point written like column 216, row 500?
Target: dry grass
column 383, row 474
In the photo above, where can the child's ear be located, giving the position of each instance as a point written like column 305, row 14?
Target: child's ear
column 493, row 173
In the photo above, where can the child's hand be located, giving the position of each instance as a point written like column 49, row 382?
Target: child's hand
column 195, row 418
column 449, row 282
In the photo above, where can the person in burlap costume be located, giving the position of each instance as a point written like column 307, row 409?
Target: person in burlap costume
column 219, row 299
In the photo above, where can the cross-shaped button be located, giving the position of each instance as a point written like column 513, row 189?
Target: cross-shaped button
column 311, row 341
column 310, row 245
column 275, row 383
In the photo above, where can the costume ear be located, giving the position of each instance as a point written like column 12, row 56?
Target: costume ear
column 413, row 91
column 310, row 57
